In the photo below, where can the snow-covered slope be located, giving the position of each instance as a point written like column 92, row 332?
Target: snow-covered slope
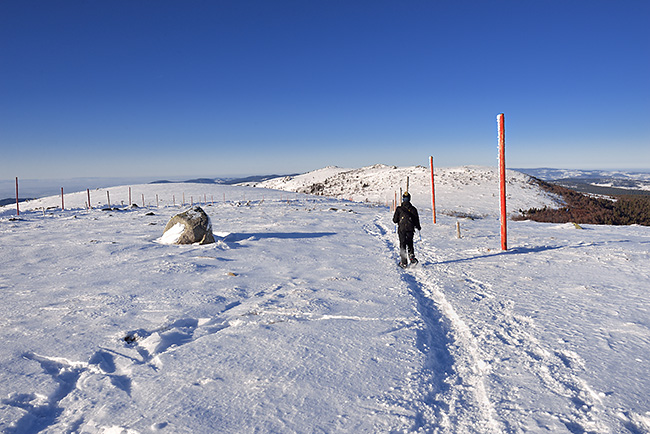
column 471, row 190
column 300, row 183
column 299, row 321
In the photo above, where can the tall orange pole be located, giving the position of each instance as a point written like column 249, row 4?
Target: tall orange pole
column 502, row 179
column 433, row 192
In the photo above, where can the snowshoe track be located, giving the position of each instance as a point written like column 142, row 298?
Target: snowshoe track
column 454, row 394
column 480, row 358
column 508, row 343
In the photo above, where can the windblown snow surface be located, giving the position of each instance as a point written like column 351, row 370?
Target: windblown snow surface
column 298, row 319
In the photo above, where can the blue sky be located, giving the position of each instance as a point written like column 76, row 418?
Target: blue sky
column 212, row 88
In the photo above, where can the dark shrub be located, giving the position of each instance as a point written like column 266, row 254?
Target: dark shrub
column 580, row 208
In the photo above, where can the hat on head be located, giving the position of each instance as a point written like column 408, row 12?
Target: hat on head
column 406, row 197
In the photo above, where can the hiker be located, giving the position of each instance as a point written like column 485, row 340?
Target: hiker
column 407, row 219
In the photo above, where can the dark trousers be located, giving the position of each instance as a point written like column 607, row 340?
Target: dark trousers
column 406, row 251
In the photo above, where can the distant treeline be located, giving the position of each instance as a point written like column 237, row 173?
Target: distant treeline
column 580, row 208
column 587, row 186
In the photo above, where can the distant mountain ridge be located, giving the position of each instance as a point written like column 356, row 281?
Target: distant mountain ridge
column 225, row 181
column 551, row 174
column 31, row 189
column 602, row 182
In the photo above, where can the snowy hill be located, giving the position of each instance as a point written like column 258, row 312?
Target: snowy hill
column 299, row 321
column 471, row 190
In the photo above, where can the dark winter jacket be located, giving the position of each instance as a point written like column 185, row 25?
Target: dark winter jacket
column 406, row 217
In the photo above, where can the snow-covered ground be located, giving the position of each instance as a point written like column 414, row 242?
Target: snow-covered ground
column 299, row 321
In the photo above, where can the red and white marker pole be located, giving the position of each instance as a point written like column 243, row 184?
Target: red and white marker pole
column 17, row 201
column 433, row 191
column 502, row 179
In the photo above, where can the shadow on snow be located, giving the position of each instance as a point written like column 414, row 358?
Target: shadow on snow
column 236, row 237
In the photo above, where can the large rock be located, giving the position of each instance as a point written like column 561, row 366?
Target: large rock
column 189, row 227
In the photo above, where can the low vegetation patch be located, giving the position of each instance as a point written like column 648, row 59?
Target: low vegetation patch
column 463, row 215
column 584, row 209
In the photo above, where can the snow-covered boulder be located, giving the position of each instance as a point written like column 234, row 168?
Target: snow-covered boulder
column 189, row 227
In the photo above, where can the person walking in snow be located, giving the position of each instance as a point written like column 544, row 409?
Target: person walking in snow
column 407, row 219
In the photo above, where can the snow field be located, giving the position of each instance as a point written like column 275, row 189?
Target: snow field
column 546, row 320
column 299, row 320
column 285, row 325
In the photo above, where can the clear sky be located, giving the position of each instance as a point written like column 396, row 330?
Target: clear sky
column 212, row 88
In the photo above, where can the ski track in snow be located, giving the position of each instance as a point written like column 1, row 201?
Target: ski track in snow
column 556, row 370
column 455, row 398
column 479, row 359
